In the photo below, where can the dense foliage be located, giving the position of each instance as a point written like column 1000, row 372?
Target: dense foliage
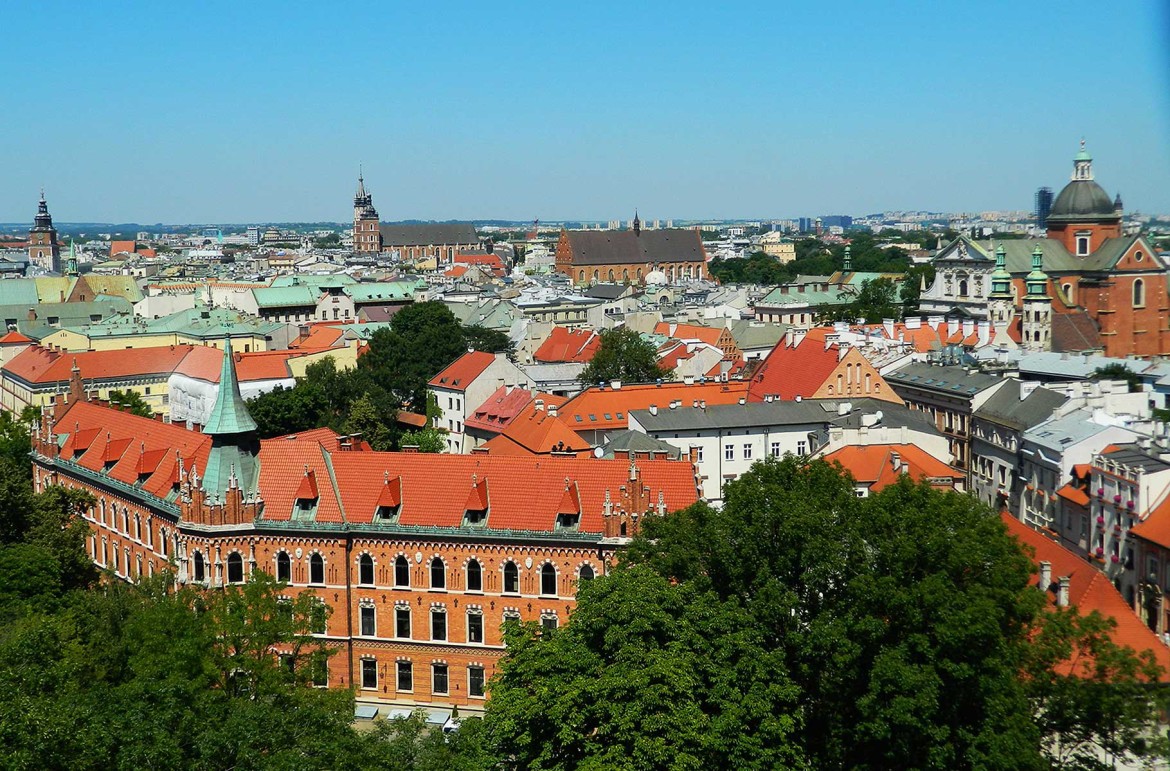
column 390, row 376
column 132, row 402
column 804, row 627
column 623, row 355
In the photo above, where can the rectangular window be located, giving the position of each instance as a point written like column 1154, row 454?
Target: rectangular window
column 402, row 622
column 728, row 452
column 775, row 449
column 438, row 625
column 474, row 626
column 747, row 451
column 802, row 448
column 405, row 676
column 368, row 626
column 439, row 678
column 369, row 674
column 475, row 681
column 699, row 454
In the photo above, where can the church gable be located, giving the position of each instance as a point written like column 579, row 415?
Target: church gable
column 1138, row 256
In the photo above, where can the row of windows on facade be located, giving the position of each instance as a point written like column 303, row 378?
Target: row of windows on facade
column 403, row 628
column 438, row 572
column 671, row 271
column 776, row 451
column 131, row 526
column 371, row 674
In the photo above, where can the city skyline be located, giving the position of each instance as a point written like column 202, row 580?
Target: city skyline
column 252, row 115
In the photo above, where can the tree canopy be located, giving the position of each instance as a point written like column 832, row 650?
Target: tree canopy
column 390, row 376
column 623, row 355
column 803, row 627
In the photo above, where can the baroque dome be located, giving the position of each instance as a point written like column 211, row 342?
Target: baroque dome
column 1082, row 198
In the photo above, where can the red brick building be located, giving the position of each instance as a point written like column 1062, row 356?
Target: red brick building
column 631, row 256
column 411, row 242
column 421, row 558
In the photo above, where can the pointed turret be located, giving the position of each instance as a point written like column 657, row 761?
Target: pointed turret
column 1037, row 279
column 848, row 265
column 1083, row 164
column 1001, row 280
column 637, row 223
column 234, row 444
column 71, row 266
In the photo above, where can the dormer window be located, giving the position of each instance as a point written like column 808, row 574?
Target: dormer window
column 307, row 496
column 475, row 510
column 568, row 521
column 389, row 504
column 475, row 517
column 1082, row 246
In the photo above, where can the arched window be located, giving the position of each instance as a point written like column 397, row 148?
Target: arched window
column 595, row 275
column 548, row 579
column 316, row 569
column 283, row 568
column 235, row 568
column 625, row 274
column 586, row 573
column 474, row 576
column 401, row 571
column 511, row 578
column 438, row 574
column 366, row 570
column 581, row 276
column 200, row 571
column 963, row 288
column 1139, row 293
column 611, row 275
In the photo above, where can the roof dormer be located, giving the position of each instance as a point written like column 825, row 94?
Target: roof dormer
column 389, row 504
column 307, row 496
column 475, row 510
column 569, row 510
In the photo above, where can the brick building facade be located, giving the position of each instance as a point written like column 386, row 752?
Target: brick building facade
column 413, row 242
column 420, row 558
column 634, row 256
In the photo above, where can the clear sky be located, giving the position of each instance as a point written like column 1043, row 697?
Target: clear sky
column 255, row 111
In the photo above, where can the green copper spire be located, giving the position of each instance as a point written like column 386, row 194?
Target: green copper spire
column 1037, row 279
column 71, row 266
column 1001, row 280
column 230, row 414
column 848, row 259
column 233, row 460
column 1083, row 155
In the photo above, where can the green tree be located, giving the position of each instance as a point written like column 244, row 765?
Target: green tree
column 365, row 419
column 1119, row 372
column 132, row 402
column 623, row 355
column 425, row 439
column 896, row 631
column 876, row 300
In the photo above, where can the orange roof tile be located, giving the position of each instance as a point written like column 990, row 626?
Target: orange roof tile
column 463, row 370
column 874, row 464
column 709, row 335
column 37, row 365
column 118, row 247
column 568, row 345
column 790, row 371
column 499, row 409
column 535, row 432
column 1074, row 494
column 14, row 338
column 1089, row 590
column 608, row 408
column 1155, row 527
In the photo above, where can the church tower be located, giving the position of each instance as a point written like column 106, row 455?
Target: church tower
column 1001, row 306
column 1083, row 215
column 232, row 462
column 1037, row 323
column 366, row 235
column 42, row 240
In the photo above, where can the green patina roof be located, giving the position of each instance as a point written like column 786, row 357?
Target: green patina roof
column 807, row 297
column 285, row 296
column 383, row 290
column 230, row 414
column 316, row 282
column 1054, row 257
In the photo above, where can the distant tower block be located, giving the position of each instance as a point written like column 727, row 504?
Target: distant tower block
column 1043, row 207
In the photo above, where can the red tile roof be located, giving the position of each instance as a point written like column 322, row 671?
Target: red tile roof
column 874, row 465
column 535, row 432
column 1089, row 590
column 1155, row 527
column 523, row 493
column 1074, row 494
column 39, row 365
column 499, row 409
column 609, row 408
column 568, row 345
column 14, row 338
column 790, row 371
column 206, row 363
column 460, row 373
column 709, row 335
column 118, row 247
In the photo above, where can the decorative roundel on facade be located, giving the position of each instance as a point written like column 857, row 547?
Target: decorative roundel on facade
column 418, row 557
column 299, row 553
column 528, row 562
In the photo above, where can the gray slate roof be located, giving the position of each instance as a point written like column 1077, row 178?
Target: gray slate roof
column 449, row 234
column 954, row 381
column 623, row 247
column 1006, row 408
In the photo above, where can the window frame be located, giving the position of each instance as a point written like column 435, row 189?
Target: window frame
column 365, row 562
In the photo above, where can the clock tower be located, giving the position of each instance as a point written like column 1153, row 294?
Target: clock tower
column 43, row 250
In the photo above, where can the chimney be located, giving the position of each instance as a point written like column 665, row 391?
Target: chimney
column 688, row 379
column 615, row 384
column 32, row 314
column 653, row 409
column 1062, row 592
column 552, row 410
column 1045, row 575
column 896, row 461
column 844, row 408
column 539, row 403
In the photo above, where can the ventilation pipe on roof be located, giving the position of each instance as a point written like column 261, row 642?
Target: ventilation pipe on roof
column 688, row 379
column 653, row 409
column 1062, row 592
column 615, row 384
column 844, row 408
column 1045, row 575
column 552, row 410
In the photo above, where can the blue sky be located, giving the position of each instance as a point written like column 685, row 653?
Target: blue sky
column 262, row 111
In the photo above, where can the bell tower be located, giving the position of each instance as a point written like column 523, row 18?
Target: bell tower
column 1001, row 305
column 43, row 250
column 1037, row 324
column 367, row 237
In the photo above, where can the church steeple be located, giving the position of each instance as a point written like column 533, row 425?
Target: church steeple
column 71, row 266
column 637, row 223
column 42, row 239
column 1036, row 328
column 1037, row 279
column 233, row 460
column 1001, row 280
